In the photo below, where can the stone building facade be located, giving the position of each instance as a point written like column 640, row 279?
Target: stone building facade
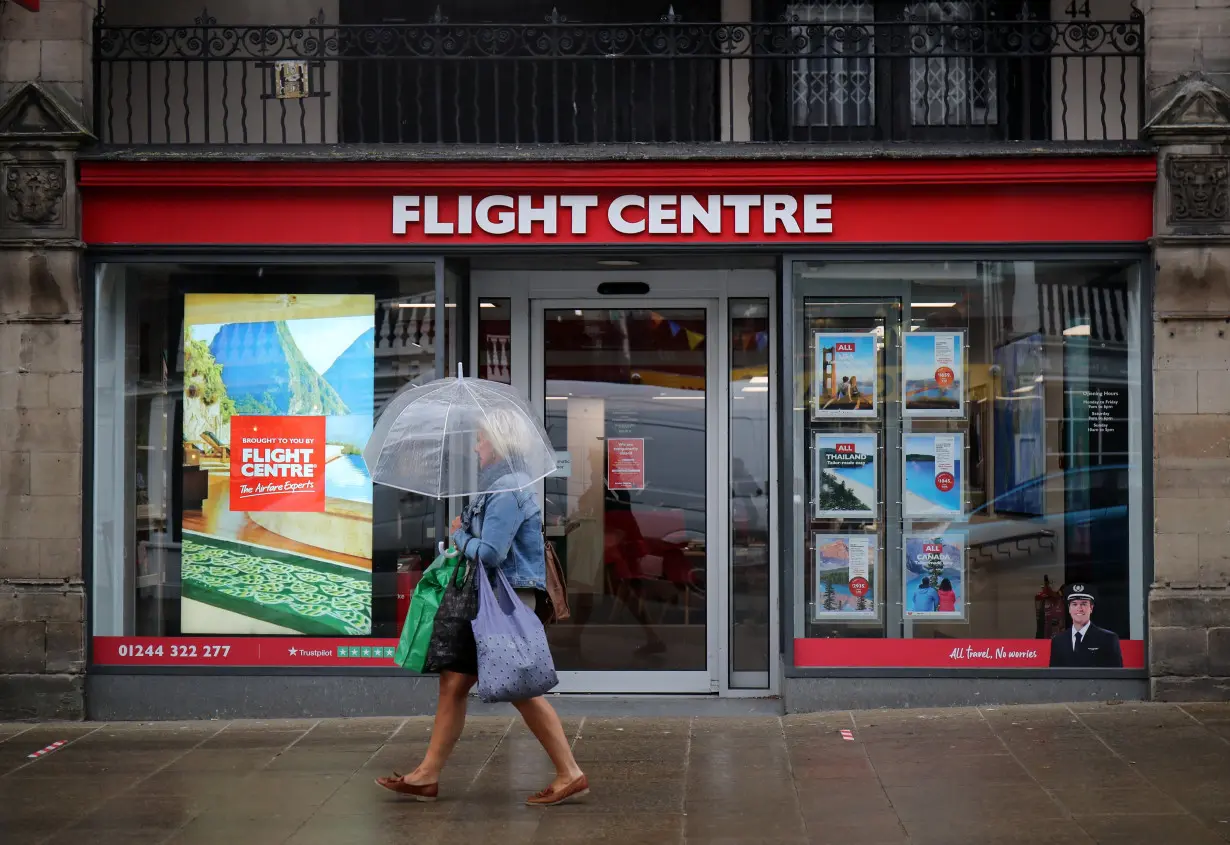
column 44, row 86
column 45, row 96
column 1189, row 603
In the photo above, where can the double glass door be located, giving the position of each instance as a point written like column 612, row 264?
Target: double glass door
column 628, row 404
column 662, row 510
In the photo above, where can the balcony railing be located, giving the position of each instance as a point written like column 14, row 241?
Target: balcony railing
column 793, row 81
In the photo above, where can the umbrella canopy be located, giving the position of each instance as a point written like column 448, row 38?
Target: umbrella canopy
column 458, row 437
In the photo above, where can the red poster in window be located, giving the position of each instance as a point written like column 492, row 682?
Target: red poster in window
column 625, row 463
column 278, row 464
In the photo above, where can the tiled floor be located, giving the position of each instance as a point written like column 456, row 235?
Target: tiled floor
column 1125, row 774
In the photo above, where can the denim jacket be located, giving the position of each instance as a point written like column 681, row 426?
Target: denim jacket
column 504, row 530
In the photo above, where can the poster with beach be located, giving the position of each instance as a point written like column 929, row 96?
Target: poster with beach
column 933, row 374
column 934, row 475
column 277, row 502
column 934, row 576
column 846, row 569
column 844, row 375
column 845, row 476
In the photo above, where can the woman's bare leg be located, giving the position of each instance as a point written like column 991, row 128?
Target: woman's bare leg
column 540, row 717
column 450, row 720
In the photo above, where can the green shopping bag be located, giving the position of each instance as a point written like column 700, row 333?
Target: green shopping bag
column 421, row 618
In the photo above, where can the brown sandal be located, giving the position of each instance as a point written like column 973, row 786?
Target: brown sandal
column 419, row 792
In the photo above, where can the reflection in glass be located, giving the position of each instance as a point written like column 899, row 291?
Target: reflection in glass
column 844, row 539
column 626, row 400
column 1049, row 443
column 148, row 487
column 749, row 493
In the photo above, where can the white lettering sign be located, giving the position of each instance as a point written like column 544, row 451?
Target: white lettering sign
column 627, row 214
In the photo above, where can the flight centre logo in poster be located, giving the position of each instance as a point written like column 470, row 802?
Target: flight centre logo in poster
column 277, row 502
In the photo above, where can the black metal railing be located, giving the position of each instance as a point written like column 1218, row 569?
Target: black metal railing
column 669, row 81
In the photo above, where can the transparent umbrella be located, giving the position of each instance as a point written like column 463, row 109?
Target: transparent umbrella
column 458, row 437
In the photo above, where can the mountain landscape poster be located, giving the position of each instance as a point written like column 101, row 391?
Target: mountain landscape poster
column 934, row 576
column 846, row 567
column 278, row 405
column 845, row 476
column 933, row 374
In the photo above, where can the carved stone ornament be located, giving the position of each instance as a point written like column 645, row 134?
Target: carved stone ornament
column 35, row 113
column 1199, row 189
column 36, row 193
column 1198, row 109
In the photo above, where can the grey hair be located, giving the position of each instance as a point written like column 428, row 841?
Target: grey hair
column 508, row 431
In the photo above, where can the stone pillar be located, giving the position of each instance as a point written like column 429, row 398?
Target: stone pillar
column 44, row 70
column 1189, row 601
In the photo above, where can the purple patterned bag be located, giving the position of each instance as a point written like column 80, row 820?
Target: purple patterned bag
column 514, row 660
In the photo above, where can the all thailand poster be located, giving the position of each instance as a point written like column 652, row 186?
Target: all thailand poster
column 934, row 475
column 934, row 575
column 846, row 568
column 844, row 375
column 845, row 476
column 933, row 378
column 277, row 502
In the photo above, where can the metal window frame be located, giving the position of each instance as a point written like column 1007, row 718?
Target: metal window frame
column 783, row 595
column 790, row 538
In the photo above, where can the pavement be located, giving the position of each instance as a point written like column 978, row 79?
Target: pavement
column 1086, row 773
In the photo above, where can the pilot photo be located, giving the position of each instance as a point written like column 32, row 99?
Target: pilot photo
column 1084, row 644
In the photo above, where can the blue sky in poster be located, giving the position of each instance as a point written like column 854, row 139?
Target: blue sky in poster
column 920, row 356
column 920, row 475
column 320, row 340
column 860, row 364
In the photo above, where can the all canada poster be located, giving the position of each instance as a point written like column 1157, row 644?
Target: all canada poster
column 846, row 476
column 277, row 503
column 934, row 576
column 845, row 567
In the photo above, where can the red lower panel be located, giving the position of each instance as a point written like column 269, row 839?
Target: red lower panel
column 339, row 651
column 243, row 651
column 940, row 654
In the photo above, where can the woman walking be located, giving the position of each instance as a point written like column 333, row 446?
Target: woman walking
column 499, row 530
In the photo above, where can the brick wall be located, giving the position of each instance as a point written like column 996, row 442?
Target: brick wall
column 42, row 601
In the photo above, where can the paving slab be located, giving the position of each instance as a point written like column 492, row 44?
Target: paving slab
column 1086, row 773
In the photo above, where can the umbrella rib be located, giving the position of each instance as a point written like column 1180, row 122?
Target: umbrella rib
column 443, row 441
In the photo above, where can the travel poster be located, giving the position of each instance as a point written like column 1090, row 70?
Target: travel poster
column 934, row 574
column 845, row 576
column 844, row 375
column 277, row 502
column 845, row 475
column 934, row 475
column 934, row 374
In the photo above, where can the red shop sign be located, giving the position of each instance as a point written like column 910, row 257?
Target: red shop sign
column 1011, row 200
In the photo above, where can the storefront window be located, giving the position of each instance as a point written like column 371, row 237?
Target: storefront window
column 232, row 404
column 750, row 488
column 971, row 443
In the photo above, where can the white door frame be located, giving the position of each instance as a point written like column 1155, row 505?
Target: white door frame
column 530, row 294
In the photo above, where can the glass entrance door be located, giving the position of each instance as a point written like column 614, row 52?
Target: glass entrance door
column 627, row 403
